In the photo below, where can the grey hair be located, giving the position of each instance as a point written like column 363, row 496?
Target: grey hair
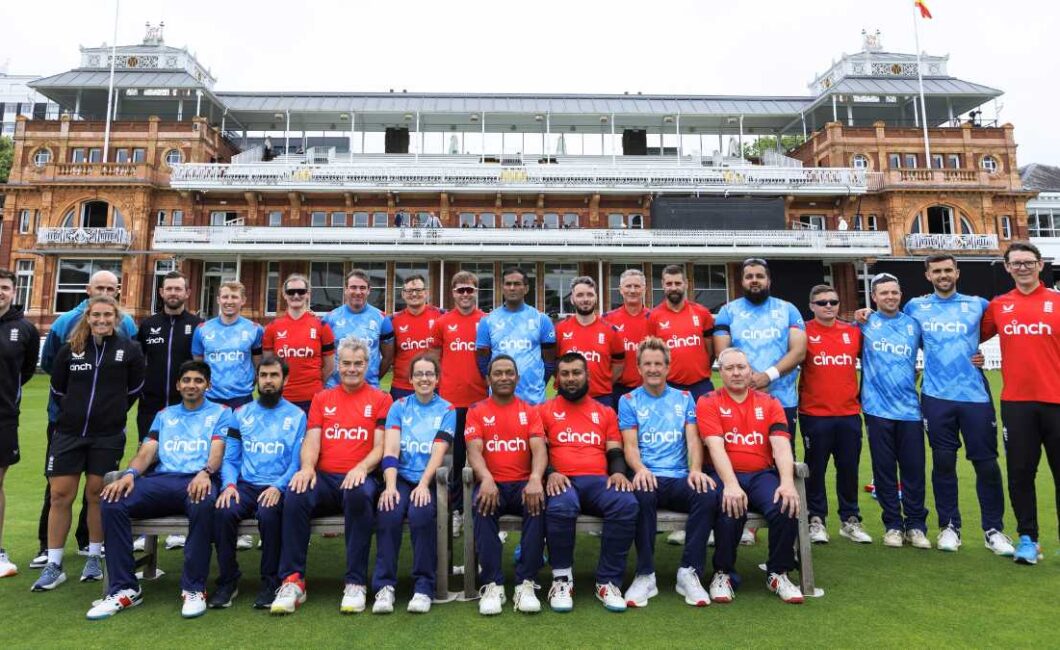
column 629, row 273
column 353, row 344
column 727, row 351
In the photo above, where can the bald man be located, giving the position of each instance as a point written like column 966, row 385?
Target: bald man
column 102, row 283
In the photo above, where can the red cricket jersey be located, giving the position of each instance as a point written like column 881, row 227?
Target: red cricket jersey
column 303, row 343
column 631, row 330
column 577, row 435
column 1028, row 327
column 412, row 337
column 599, row 343
column 505, row 431
column 454, row 337
column 828, row 384
column 348, row 423
column 746, row 428
column 685, row 333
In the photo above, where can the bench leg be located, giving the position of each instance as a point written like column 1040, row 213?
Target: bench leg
column 151, row 557
column 470, row 561
column 805, row 545
column 442, row 522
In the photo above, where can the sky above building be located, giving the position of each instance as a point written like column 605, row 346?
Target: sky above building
column 748, row 47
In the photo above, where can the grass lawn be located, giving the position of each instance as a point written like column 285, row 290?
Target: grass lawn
column 874, row 596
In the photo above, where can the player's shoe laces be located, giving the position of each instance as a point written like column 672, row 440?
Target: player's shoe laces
column 175, row 541
column 611, row 597
column 1027, row 551
column 893, row 538
column 244, row 542
column 785, row 588
column 948, row 540
column 818, row 533
column 223, row 596
column 854, row 531
column 917, row 538
column 524, row 599
column 749, row 536
column 458, row 524
column 265, row 597
column 721, row 588
column 289, row 596
column 40, row 561
column 561, row 595
column 139, row 544
column 353, row 599
column 689, row 586
column 420, row 604
column 491, row 599
column 194, row 604
column 384, row 601
column 7, row 567
column 640, row 590
column 676, row 538
column 999, row 542
column 114, row 603
column 93, row 571
column 51, row 576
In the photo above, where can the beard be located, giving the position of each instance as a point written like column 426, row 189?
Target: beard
column 675, row 297
column 584, row 312
column 756, row 297
column 174, row 303
column 269, row 399
column 573, row 395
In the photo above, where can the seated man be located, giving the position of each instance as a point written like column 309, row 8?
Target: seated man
column 343, row 446
column 506, row 448
column 663, row 450
column 261, row 456
column 589, row 473
column 188, row 441
column 736, row 421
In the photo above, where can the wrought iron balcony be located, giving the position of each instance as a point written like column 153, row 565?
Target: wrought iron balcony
column 84, row 237
column 924, row 241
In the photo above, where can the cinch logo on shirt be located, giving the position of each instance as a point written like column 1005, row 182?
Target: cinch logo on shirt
column 77, row 367
column 154, row 340
column 185, row 446
column 592, row 356
column 335, row 432
column 298, row 353
column 676, row 342
column 822, row 359
column 274, row 448
column 407, row 344
column 944, row 328
column 416, row 446
column 497, row 445
column 231, row 355
column 568, row 436
column 900, row 349
column 746, row 439
column 515, row 345
column 768, row 334
column 655, row 437
column 459, row 345
column 1028, row 329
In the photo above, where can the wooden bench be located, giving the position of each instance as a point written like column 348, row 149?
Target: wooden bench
column 152, row 528
column 668, row 521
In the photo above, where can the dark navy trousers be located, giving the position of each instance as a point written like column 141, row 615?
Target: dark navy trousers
column 424, row 532
column 591, row 495
column 783, row 528
column 825, row 438
column 456, row 475
column 677, row 495
column 897, row 448
column 488, row 545
column 697, row 389
column 226, row 530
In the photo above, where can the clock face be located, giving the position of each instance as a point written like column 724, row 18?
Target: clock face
column 896, row 69
column 132, row 61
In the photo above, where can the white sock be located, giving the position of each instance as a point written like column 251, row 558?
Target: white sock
column 55, row 556
column 95, row 548
column 563, row 573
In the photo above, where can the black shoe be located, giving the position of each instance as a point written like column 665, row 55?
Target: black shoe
column 223, row 596
column 265, row 597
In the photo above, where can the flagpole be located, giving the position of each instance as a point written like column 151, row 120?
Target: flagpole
column 920, row 82
column 110, row 86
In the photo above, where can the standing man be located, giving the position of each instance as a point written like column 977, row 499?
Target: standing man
column 453, row 339
column 955, row 398
column 631, row 324
column 102, row 283
column 686, row 328
column 589, row 474
column 663, row 449
column 506, row 449
column 413, row 329
column 522, row 332
column 1027, row 322
column 829, row 415
column 19, row 344
column 231, row 345
column 892, row 414
column 593, row 338
column 306, row 345
column 364, row 322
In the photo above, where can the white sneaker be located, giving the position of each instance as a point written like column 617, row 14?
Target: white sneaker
column 893, row 538
column 948, row 540
column 288, row 598
column 244, row 542
column 917, row 538
column 114, row 603
column 40, row 561
column 458, row 524
column 524, row 599
column 384, row 601
column 721, row 588
column 677, row 538
column 194, row 604
column 818, row 533
column 492, row 599
column 353, row 599
column 611, row 597
column 749, row 536
column 561, row 595
column 641, row 589
column 785, row 588
column 139, row 544
column 420, row 604
column 689, row 586
column 503, row 536
column 172, row 542
column 999, row 542
column 7, row 567
column 853, row 530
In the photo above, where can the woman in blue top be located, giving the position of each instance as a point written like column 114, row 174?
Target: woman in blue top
column 419, row 430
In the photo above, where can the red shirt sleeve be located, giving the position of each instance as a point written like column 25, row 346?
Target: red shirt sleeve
column 708, row 322
column 316, row 419
column 611, row 433
column 778, row 421
column 618, row 349
column 268, row 342
column 436, row 335
column 537, row 427
column 988, row 327
column 473, row 425
column 651, row 325
column 327, row 340
column 707, row 418
column 385, row 402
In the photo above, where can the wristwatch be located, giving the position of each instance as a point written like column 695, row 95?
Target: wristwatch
column 206, row 468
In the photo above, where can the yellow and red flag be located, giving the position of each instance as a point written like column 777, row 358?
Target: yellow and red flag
column 922, row 6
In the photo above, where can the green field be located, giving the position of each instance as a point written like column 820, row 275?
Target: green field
column 874, row 596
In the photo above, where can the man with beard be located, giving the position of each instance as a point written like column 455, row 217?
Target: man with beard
column 261, row 456
column 594, row 339
column 685, row 327
column 589, row 474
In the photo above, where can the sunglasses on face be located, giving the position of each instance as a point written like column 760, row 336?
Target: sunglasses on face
column 464, row 290
column 826, row 303
column 296, row 292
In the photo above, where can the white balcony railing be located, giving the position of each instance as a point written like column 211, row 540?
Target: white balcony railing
column 86, row 237
column 924, row 241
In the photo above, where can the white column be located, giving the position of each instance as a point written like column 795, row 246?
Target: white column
column 180, row 110
column 441, row 281
column 287, row 133
column 77, row 105
column 613, row 154
column 835, row 110
column 419, row 136
column 601, row 296
column 741, row 137
column 198, row 103
column 677, row 130
column 850, row 114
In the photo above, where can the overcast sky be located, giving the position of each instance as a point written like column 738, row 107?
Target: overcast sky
column 715, row 47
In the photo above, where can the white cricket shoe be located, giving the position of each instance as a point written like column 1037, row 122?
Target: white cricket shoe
column 917, row 538
column 611, row 597
column 172, row 542
column 640, row 590
column 818, row 533
column 893, row 538
column 999, row 542
column 140, row 544
column 7, row 567
column 244, row 542
column 854, row 531
column 353, row 599
column 561, row 595
column 194, row 604
column 524, row 599
column 420, row 604
column 785, row 588
column 949, row 540
column 288, row 598
column 384, row 601
column 749, row 536
column 689, row 586
column 492, row 599
column 114, row 603
column 721, row 588
column 676, row 538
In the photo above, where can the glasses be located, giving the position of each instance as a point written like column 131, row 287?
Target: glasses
column 826, row 303
column 424, row 374
column 296, row 292
column 1023, row 264
column 755, row 261
column 463, row 291
column 414, row 292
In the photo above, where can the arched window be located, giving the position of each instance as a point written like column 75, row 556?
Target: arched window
column 941, row 220
column 93, row 214
column 859, row 161
column 42, row 157
column 989, row 164
column 174, row 157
